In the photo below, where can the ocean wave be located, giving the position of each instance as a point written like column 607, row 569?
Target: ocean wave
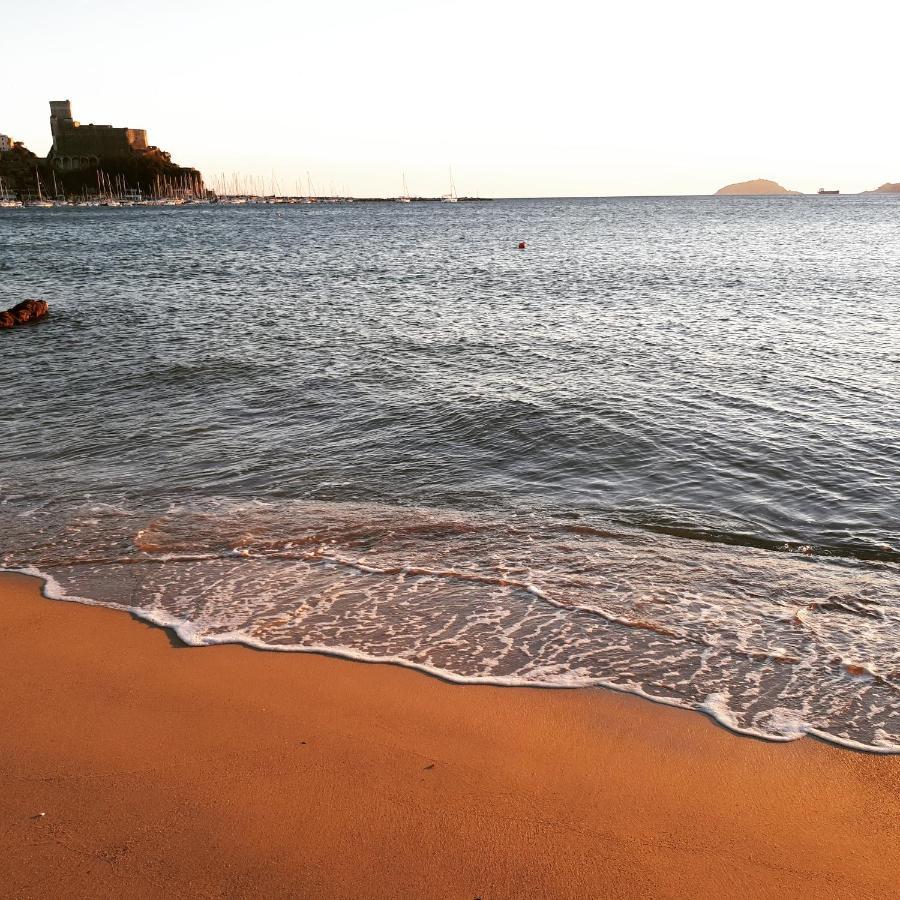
column 770, row 644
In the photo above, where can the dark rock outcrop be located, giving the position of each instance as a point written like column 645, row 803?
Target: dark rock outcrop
column 26, row 311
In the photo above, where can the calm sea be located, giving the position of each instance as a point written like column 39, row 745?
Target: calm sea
column 657, row 450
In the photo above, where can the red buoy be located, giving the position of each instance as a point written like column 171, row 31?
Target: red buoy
column 521, row 245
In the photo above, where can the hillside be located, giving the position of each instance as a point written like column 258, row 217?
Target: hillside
column 20, row 168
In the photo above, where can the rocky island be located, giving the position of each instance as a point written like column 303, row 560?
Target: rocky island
column 759, row 187
column 887, row 188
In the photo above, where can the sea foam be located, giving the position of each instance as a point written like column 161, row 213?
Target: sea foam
column 480, row 599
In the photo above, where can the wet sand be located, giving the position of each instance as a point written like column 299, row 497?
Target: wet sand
column 164, row 770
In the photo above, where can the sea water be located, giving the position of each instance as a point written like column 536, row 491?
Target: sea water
column 656, row 451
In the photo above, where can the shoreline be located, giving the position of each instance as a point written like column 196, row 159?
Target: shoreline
column 50, row 589
column 166, row 768
column 240, row 201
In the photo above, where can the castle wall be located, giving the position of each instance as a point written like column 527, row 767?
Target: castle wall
column 76, row 146
column 137, row 138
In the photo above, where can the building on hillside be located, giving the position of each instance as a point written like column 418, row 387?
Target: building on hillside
column 6, row 143
column 76, row 146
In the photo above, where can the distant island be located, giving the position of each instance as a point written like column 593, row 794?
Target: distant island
column 887, row 188
column 757, row 187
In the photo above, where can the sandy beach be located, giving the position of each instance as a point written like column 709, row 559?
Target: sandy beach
column 134, row 766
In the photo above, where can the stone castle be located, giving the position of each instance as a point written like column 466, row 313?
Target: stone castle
column 93, row 159
column 77, row 146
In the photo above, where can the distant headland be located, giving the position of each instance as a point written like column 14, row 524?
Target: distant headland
column 92, row 161
column 758, row 187
column 762, row 187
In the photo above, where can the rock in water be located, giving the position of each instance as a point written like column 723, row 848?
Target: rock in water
column 26, row 311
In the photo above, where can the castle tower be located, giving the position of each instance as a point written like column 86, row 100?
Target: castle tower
column 61, row 118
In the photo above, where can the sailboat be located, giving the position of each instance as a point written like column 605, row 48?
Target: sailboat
column 7, row 198
column 404, row 197
column 451, row 197
column 40, row 200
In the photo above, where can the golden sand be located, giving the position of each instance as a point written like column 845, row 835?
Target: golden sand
column 165, row 771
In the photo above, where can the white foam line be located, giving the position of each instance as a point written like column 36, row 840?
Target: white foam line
column 529, row 588
column 187, row 632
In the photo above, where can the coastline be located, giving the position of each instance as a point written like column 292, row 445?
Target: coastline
column 165, row 769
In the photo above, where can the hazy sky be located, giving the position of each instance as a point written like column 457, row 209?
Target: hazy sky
column 523, row 99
